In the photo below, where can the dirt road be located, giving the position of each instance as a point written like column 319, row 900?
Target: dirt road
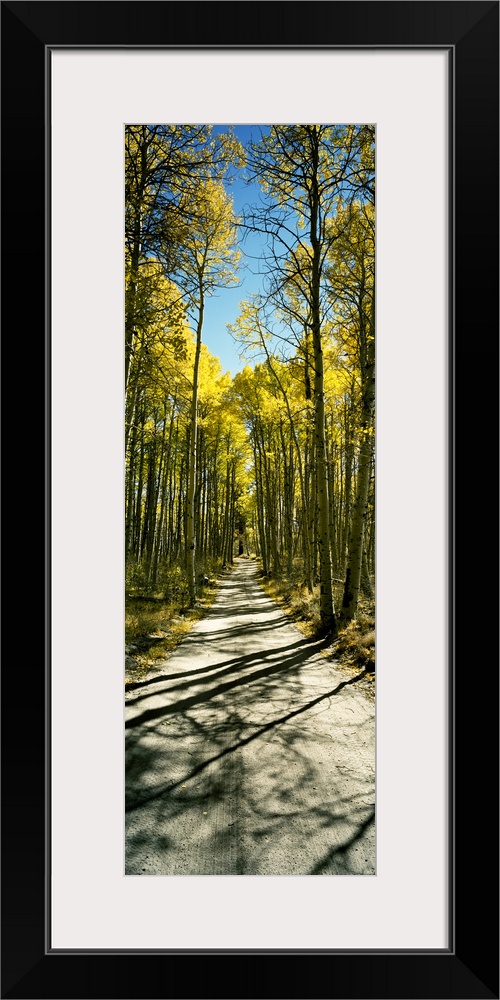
column 250, row 753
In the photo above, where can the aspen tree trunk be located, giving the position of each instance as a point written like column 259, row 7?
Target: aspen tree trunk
column 154, row 484
column 366, row 584
column 349, row 461
column 166, row 455
column 138, row 500
column 300, row 470
column 326, row 606
column 227, row 514
column 370, row 532
column 202, row 501
column 232, row 521
column 215, row 540
column 332, row 495
column 129, row 523
column 306, row 547
column 135, row 256
column 311, row 478
column 130, row 305
column 310, row 508
column 133, row 401
column 260, row 504
column 172, row 496
column 288, row 483
column 335, row 501
column 327, row 610
column 274, row 508
column 242, row 534
column 356, row 540
column 205, row 508
column 153, row 568
column 197, row 500
column 149, row 502
column 271, row 517
column 255, row 531
column 179, row 533
column 208, row 530
column 191, row 490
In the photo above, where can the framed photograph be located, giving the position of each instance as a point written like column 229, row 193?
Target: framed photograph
column 425, row 924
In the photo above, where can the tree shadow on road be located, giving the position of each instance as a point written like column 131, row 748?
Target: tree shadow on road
column 255, row 765
column 303, row 649
column 207, row 764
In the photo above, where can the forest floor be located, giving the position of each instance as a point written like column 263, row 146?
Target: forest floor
column 249, row 749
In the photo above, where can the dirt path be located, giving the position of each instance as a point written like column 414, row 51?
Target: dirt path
column 250, row 753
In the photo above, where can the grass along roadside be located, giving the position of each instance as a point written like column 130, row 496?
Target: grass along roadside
column 154, row 627
column 355, row 646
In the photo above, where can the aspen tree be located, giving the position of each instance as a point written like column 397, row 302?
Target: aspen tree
column 303, row 170
column 208, row 261
column 353, row 284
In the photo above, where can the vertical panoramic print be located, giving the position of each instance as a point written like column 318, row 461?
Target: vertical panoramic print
column 249, row 499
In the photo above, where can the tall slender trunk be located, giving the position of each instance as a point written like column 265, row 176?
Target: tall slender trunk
column 180, row 533
column 365, row 583
column 356, row 540
column 349, row 462
column 138, row 499
column 327, row 609
column 149, row 500
column 227, row 512
column 300, row 470
column 215, row 536
column 311, row 511
column 232, row 520
column 260, row 502
column 288, row 472
column 130, row 487
column 191, row 490
column 202, row 496
column 163, row 475
column 135, row 254
column 331, row 495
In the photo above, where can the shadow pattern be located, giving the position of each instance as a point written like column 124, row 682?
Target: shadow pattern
column 262, row 764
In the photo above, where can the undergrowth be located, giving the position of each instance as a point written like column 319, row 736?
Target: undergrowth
column 296, row 600
column 355, row 644
column 155, row 624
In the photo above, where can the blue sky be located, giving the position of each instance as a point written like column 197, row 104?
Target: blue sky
column 223, row 307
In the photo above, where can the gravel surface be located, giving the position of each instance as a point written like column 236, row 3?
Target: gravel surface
column 249, row 752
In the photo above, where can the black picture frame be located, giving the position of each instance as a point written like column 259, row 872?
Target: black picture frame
column 469, row 969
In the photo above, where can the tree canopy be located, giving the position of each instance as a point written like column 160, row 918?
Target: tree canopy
column 276, row 460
